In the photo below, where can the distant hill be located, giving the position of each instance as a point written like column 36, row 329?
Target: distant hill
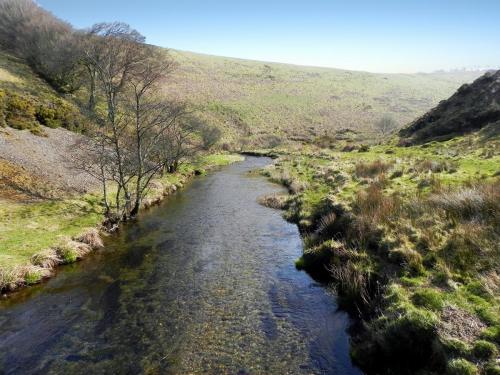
column 259, row 100
column 472, row 107
column 253, row 98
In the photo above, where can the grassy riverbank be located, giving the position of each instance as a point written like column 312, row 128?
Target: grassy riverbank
column 410, row 238
column 29, row 229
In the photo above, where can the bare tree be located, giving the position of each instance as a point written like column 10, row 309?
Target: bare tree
column 154, row 119
column 210, row 135
column 139, row 135
column 116, row 51
column 386, row 125
column 45, row 42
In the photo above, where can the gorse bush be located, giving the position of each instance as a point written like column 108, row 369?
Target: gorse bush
column 20, row 112
column 23, row 111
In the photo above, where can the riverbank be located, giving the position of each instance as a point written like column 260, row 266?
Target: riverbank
column 37, row 236
column 409, row 236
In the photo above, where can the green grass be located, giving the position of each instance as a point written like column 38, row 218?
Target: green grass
column 256, row 98
column 416, row 232
column 28, row 228
column 261, row 101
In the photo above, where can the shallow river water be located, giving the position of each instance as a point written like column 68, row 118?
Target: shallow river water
column 204, row 283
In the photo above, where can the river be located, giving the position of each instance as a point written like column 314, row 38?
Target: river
column 203, row 283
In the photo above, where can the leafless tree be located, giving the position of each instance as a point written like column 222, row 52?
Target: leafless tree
column 210, row 135
column 154, row 119
column 141, row 133
column 386, row 125
column 45, row 42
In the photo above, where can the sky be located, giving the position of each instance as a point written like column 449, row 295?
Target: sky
column 389, row 36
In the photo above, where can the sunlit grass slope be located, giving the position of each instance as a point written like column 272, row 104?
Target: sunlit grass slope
column 251, row 98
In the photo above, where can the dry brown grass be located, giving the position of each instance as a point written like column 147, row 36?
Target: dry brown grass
column 46, row 259
column 277, row 201
column 479, row 202
column 19, row 185
column 92, row 238
column 435, row 166
column 371, row 169
column 353, row 280
column 326, row 222
column 374, row 204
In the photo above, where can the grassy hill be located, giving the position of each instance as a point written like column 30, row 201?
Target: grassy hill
column 250, row 98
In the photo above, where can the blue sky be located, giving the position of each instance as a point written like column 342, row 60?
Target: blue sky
column 371, row 35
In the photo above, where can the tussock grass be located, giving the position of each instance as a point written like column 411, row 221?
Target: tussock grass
column 477, row 202
column 428, row 230
column 277, row 201
column 436, row 166
column 353, row 279
column 48, row 258
column 371, row 169
column 461, row 366
column 91, row 237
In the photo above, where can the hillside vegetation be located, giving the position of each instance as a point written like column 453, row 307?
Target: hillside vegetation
column 410, row 238
column 471, row 108
column 258, row 99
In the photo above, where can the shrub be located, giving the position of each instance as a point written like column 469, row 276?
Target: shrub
column 455, row 346
column 364, row 169
column 48, row 116
column 483, row 349
column 492, row 369
column 59, row 113
column 20, row 112
column 3, row 105
column 428, row 298
column 408, row 339
column 460, row 366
